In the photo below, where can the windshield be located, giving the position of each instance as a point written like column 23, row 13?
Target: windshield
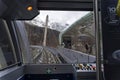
column 62, row 37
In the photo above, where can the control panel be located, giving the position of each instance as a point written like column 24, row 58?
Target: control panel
column 110, row 22
column 49, row 72
column 111, row 31
column 85, row 67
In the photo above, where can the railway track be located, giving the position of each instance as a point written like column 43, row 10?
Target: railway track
column 48, row 55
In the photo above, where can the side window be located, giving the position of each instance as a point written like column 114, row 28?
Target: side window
column 7, row 52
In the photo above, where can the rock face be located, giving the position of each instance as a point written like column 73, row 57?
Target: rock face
column 36, row 34
column 81, row 35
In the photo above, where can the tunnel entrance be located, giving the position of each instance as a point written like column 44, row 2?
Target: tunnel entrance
column 67, row 42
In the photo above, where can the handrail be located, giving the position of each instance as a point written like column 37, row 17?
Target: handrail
column 98, row 44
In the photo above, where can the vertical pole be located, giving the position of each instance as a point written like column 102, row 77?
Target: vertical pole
column 98, row 46
column 45, row 32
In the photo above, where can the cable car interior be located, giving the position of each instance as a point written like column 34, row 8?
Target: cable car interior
column 21, row 60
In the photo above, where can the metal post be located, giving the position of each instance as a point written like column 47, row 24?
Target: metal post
column 45, row 33
column 98, row 44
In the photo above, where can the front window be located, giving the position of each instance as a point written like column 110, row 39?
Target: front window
column 62, row 37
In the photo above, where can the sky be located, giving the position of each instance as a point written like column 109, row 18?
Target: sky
column 63, row 17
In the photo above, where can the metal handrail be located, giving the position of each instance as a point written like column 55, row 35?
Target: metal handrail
column 98, row 46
